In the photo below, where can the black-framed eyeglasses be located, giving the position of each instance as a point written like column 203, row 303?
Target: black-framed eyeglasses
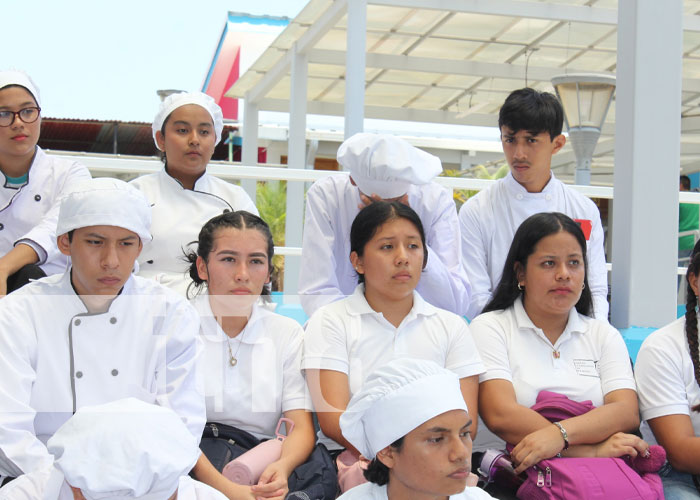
column 27, row 115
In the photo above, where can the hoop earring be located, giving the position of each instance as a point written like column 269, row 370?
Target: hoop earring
column 520, row 287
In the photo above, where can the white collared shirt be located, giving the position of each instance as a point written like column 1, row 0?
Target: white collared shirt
column 350, row 337
column 666, row 377
column 266, row 380
column 55, row 357
column 488, row 222
column 178, row 215
column 371, row 491
column 588, row 360
column 326, row 274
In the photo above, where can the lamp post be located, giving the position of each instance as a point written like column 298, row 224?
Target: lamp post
column 585, row 98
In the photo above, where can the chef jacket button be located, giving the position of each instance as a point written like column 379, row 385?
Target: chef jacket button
column 37, row 197
column 79, row 374
column 548, row 197
column 112, row 320
column 226, row 210
column 519, row 196
column 77, row 322
column 2, row 226
column 149, row 262
column 115, row 372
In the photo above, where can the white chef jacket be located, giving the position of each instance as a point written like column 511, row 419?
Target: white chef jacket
column 29, row 214
column 326, row 273
column 267, row 379
column 55, row 358
column 593, row 359
column 488, row 222
column 178, row 215
column 49, row 484
column 666, row 377
column 371, row 491
column 350, row 337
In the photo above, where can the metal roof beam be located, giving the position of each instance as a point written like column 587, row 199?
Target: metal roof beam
column 526, row 9
column 511, row 8
column 327, row 20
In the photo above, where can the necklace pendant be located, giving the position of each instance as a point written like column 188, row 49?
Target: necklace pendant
column 233, row 361
column 556, row 354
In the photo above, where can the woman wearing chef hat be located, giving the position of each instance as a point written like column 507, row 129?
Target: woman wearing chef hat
column 410, row 420
column 31, row 186
column 183, row 196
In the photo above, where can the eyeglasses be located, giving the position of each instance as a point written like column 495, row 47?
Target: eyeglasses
column 27, row 115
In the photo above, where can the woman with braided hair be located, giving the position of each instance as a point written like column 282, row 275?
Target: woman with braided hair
column 668, row 374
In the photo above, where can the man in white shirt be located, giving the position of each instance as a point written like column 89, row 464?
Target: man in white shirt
column 389, row 168
column 531, row 123
column 95, row 333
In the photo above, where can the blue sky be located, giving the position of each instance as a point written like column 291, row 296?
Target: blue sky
column 105, row 60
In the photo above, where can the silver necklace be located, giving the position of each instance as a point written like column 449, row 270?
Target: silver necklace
column 232, row 358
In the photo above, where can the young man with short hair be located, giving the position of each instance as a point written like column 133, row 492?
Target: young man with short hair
column 531, row 124
column 95, row 333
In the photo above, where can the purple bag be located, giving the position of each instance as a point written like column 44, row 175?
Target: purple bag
column 585, row 478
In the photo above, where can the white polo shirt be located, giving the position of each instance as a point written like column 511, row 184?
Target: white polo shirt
column 349, row 336
column 665, row 377
column 592, row 358
column 265, row 382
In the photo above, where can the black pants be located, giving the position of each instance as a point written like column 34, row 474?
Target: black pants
column 23, row 276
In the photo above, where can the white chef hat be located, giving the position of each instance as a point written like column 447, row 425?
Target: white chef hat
column 16, row 77
column 174, row 101
column 105, row 202
column 124, row 449
column 395, row 399
column 386, row 165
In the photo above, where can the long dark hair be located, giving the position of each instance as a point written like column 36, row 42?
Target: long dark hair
column 237, row 220
column 691, row 315
column 376, row 471
column 526, row 238
column 372, row 217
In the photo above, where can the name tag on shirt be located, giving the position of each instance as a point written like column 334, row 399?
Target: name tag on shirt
column 586, row 226
column 586, row 368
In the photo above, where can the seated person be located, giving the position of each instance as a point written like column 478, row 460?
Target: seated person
column 251, row 359
column 384, row 318
column 530, row 122
column 183, row 196
column 95, row 333
column 102, row 452
column 389, row 168
column 410, row 420
column 536, row 334
column 32, row 185
column 669, row 396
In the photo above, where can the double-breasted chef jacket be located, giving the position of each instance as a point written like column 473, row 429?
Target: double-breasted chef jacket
column 178, row 215
column 56, row 357
column 28, row 214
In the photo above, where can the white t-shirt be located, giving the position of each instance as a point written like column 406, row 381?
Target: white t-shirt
column 266, row 380
column 371, row 491
column 349, row 336
column 593, row 359
column 665, row 377
column 488, row 222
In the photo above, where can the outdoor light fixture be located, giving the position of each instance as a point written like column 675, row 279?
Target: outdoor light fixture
column 585, row 98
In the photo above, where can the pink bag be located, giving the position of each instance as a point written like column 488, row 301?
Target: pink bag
column 589, row 478
column 350, row 470
column 247, row 468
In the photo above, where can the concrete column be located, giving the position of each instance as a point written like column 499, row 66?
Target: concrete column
column 296, row 159
column 647, row 158
column 355, row 67
column 249, row 153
